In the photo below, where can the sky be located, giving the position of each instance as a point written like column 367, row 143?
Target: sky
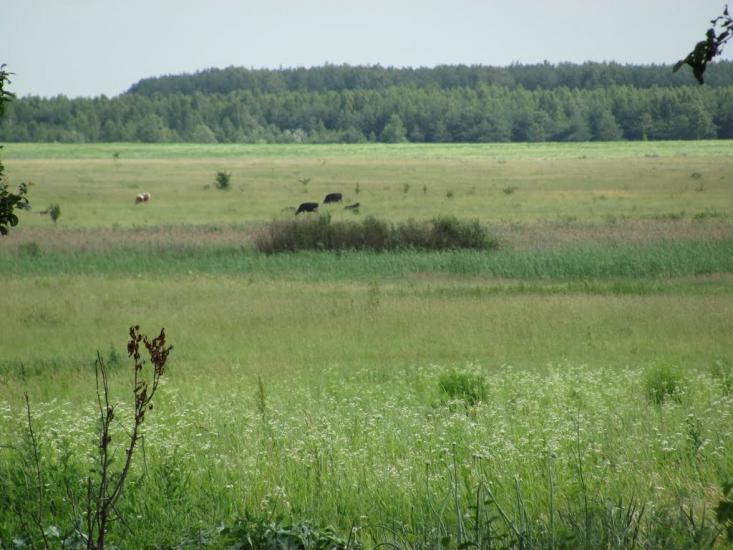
column 95, row 47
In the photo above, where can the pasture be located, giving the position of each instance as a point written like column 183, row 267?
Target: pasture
column 573, row 388
column 496, row 183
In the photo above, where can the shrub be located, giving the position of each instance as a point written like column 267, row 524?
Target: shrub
column 662, row 381
column 471, row 388
column 450, row 232
column 223, row 180
column 322, row 233
column 54, row 211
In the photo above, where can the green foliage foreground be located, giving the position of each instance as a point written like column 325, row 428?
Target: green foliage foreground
column 567, row 456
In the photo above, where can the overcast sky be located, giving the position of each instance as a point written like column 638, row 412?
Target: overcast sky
column 93, row 47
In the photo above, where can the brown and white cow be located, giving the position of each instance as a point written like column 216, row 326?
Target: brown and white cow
column 142, row 197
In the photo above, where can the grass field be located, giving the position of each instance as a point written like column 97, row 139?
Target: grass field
column 573, row 388
column 496, row 183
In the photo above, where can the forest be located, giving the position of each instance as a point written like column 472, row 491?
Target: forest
column 352, row 104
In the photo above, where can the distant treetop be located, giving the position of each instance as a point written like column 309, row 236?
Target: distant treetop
column 546, row 75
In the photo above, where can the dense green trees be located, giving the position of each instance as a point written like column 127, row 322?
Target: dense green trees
column 345, row 77
column 445, row 104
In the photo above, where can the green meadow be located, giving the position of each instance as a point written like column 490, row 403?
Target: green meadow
column 572, row 388
column 493, row 183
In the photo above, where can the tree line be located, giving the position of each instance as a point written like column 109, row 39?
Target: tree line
column 473, row 113
column 339, row 78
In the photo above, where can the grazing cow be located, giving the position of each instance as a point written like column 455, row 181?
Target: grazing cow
column 333, row 197
column 142, row 197
column 307, row 207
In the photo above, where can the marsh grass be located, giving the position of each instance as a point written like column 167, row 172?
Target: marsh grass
column 579, row 262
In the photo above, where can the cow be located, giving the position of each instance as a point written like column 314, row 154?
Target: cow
column 354, row 206
column 307, row 207
column 142, row 197
column 333, row 197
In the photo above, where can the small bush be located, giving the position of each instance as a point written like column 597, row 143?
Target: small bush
column 55, row 212
column 223, row 180
column 509, row 189
column 471, row 388
column 322, row 233
column 450, row 232
column 662, row 381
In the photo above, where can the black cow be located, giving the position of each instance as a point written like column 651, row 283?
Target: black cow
column 354, row 206
column 307, row 207
column 333, row 197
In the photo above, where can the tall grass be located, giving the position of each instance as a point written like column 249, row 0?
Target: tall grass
column 235, row 325
column 568, row 456
column 580, row 262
